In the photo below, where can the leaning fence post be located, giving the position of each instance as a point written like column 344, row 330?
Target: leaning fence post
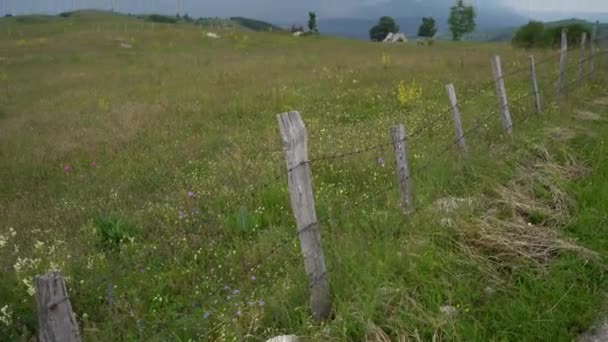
column 581, row 63
column 399, row 138
column 537, row 103
column 55, row 317
column 592, row 49
column 456, row 116
column 295, row 149
column 502, row 95
column 563, row 62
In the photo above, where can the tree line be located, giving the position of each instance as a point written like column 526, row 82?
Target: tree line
column 461, row 22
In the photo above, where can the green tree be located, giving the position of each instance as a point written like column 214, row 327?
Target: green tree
column 462, row 20
column 385, row 26
column 428, row 28
column 312, row 22
column 530, row 35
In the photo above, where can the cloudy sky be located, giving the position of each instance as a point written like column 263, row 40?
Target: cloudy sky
column 266, row 8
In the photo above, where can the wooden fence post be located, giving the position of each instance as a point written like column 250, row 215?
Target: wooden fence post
column 502, row 95
column 593, row 46
column 563, row 62
column 295, row 149
column 581, row 63
column 404, row 181
column 460, row 140
column 537, row 103
column 55, row 317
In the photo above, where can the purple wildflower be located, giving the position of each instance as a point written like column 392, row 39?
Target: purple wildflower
column 261, row 302
column 190, row 194
column 66, row 168
column 206, row 315
column 93, row 164
column 238, row 313
column 226, row 288
column 236, row 292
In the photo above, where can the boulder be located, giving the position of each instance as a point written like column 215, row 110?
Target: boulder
column 395, row 38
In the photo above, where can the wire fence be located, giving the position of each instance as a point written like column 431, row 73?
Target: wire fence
column 436, row 152
column 446, row 146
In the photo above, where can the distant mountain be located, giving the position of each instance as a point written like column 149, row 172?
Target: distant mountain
column 554, row 16
column 255, row 25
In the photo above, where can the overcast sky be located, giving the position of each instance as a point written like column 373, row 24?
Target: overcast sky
column 261, row 8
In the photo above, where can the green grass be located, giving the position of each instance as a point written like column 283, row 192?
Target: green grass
column 169, row 151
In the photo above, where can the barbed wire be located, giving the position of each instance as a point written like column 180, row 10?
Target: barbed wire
column 415, row 172
column 418, row 171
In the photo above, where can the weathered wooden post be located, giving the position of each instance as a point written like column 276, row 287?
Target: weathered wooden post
column 581, row 63
column 55, row 317
column 295, row 149
column 593, row 47
column 404, row 181
column 460, row 140
column 501, row 91
column 537, row 103
column 563, row 63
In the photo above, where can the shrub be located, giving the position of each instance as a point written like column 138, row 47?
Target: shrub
column 530, row 35
column 157, row 18
column 66, row 14
column 536, row 34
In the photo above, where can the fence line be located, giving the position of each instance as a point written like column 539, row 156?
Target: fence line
column 300, row 179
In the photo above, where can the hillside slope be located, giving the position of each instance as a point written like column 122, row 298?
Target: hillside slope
column 145, row 164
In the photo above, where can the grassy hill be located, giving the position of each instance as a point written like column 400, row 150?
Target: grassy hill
column 504, row 35
column 143, row 161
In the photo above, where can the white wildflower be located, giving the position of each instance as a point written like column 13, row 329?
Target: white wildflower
column 6, row 315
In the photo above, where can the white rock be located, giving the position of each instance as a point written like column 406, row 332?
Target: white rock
column 448, row 310
column 284, row 338
column 446, row 222
column 395, row 38
column 451, row 204
column 298, row 33
column 125, row 46
column 212, row 35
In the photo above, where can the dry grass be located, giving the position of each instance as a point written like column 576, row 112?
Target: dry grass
column 522, row 220
column 585, row 115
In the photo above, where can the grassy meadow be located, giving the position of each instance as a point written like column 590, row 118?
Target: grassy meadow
column 144, row 162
